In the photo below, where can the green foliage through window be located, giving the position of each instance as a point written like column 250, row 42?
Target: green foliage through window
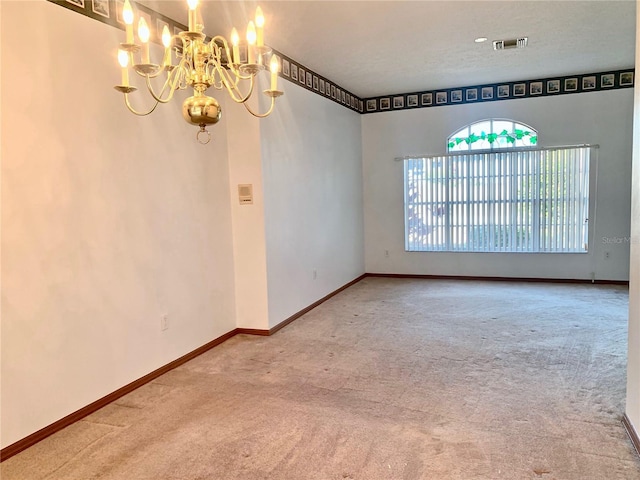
column 510, row 137
column 492, row 134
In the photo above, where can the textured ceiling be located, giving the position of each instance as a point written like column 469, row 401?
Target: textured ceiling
column 383, row 47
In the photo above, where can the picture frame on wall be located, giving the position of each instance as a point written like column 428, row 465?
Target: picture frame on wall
column 570, row 84
column 316, row 83
column 553, row 86
column 626, row 78
column 294, row 71
column 503, row 91
column 77, row 3
column 427, row 99
column 385, row 103
column 519, row 90
column 372, row 105
column 441, row 98
column 302, row 75
column 398, row 102
column 607, row 80
column 309, row 79
column 487, row 93
column 471, row 94
column 286, row 67
column 589, row 83
column 456, row 96
column 119, row 6
column 342, row 96
column 321, row 85
column 535, row 88
column 412, row 100
column 333, row 91
column 101, row 7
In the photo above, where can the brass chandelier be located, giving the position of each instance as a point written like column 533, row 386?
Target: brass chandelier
column 199, row 65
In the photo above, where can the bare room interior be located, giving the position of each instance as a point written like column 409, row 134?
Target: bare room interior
column 363, row 240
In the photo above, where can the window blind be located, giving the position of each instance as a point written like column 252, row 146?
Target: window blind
column 521, row 200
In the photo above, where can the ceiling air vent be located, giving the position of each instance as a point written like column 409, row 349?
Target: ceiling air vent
column 507, row 44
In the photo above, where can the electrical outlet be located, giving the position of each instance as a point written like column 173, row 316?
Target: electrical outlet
column 164, row 322
column 607, row 255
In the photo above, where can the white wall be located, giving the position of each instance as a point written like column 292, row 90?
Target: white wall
column 602, row 118
column 249, row 248
column 108, row 222
column 633, row 362
column 311, row 159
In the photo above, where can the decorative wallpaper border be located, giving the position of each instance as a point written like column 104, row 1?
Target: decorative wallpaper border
column 590, row 82
column 110, row 12
column 297, row 73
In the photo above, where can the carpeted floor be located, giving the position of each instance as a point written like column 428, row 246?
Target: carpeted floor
column 390, row 379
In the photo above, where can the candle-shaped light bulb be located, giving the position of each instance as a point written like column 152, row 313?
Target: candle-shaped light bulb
column 275, row 68
column 235, row 42
column 143, row 35
column 166, row 41
column 259, row 27
column 251, row 40
column 166, row 37
column 193, row 14
column 127, row 16
column 123, row 60
column 143, row 31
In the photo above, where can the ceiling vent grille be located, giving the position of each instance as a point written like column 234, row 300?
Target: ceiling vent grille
column 508, row 44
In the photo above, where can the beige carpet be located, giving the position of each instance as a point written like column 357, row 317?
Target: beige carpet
column 391, row 379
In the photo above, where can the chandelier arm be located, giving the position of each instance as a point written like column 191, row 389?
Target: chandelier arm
column 184, row 59
column 227, row 81
column 230, row 65
column 234, row 91
column 225, row 46
column 182, row 79
column 134, row 111
column 217, row 82
column 261, row 115
column 168, row 83
column 236, row 71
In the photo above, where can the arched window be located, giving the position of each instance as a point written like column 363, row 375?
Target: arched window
column 492, row 134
